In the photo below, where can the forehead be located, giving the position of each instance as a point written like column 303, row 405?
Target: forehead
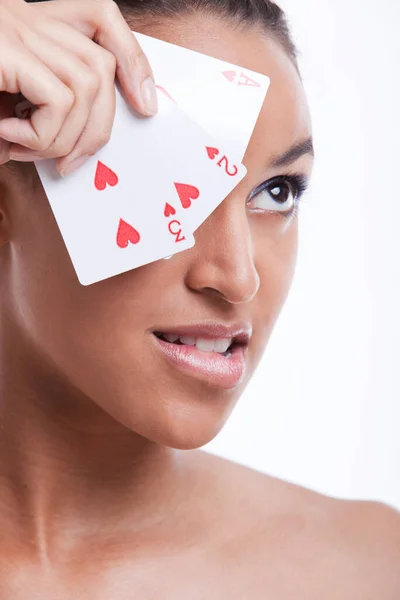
column 285, row 114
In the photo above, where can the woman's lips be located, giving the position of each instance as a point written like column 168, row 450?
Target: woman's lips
column 211, row 367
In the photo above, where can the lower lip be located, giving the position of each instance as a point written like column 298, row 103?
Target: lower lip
column 210, row 367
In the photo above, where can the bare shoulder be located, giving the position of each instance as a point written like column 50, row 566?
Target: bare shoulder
column 351, row 546
column 369, row 534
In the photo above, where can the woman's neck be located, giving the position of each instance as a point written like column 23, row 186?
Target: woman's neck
column 67, row 468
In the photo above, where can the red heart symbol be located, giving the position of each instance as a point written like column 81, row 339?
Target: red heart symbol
column 230, row 75
column 104, row 176
column 169, row 210
column 186, row 194
column 127, row 233
column 212, row 152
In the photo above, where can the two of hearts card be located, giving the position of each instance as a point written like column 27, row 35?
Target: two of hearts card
column 143, row 195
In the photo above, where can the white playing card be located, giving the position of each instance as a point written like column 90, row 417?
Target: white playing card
column 211, row 173
column 223, row 98
column 129, row 204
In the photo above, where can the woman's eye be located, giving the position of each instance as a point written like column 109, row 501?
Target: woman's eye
column 278, row 195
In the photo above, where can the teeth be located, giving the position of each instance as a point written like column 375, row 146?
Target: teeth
column 171, row 337
column 205, row 345
column 222, row 345
column 188, row 341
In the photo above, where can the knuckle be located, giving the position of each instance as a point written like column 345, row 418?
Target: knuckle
column 66, row 99
column 103, row 138
column 61, row 148
column 82, row 81
column 89, row 82
column 42, row 142
column 92, row 144
column 108, row 9
column 109, row 62
column 137, row 60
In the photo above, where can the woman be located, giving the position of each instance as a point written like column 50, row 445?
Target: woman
column 104, row 491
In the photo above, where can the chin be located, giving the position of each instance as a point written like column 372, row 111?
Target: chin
column 177, row 413
column 175, row 393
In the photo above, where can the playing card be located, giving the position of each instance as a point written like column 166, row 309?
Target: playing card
column 111, row 211
column 223, row 98
column 135, row 201
column 200, row 194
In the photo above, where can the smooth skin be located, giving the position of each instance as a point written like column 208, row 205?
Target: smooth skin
column 104, row 492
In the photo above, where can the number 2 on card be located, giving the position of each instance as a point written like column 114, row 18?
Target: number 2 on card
column 213, row 152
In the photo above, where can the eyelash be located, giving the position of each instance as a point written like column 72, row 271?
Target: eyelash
column 298, row 184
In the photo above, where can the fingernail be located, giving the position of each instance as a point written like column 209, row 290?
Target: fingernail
column 74, row 165
column 149, row 96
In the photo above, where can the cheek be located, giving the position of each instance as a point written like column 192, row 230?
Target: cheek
column 275, row 248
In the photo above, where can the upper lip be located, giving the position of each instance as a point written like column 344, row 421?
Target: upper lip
column 240, row 333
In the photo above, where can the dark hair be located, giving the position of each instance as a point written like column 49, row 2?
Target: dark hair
column 265, row 13
column 246, row 12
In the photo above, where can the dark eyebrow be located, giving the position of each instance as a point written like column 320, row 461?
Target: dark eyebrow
column 294, row 153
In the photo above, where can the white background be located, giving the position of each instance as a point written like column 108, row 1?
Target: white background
column 323, row 409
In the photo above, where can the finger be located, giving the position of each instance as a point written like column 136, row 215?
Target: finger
column 97, row 131
column 83, row 82
column 26, row 74
column 99, row 125
column 103, row 22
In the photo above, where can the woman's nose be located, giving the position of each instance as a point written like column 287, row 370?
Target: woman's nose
column 223, row 257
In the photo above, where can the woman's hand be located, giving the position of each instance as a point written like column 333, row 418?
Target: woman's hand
column 63, row 56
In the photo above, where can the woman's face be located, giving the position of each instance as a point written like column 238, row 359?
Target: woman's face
column 99, row 342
